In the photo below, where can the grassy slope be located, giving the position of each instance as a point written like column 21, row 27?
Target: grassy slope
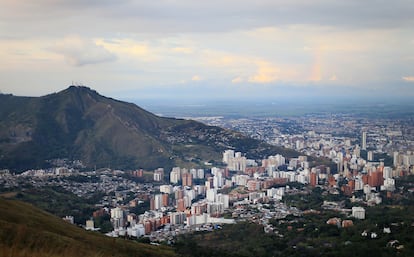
column 28, row 231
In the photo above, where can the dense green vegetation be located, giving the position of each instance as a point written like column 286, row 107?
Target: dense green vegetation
column 244, row 239
column 103, row 223
column 26, row 231
column 60, row 202
column 308, row 236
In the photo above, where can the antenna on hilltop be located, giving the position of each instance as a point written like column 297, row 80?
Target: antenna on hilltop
column 77, row 84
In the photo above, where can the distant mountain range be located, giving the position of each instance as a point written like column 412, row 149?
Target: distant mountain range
column 79, row 124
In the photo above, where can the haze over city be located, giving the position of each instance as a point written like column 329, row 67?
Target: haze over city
column 199, row 50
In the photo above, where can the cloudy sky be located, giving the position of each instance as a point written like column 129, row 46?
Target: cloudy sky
column 209, row 49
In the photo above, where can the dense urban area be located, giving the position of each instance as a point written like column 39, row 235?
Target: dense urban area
column 373, row 163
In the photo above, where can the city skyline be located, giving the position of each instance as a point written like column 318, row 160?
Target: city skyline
column 226, row 50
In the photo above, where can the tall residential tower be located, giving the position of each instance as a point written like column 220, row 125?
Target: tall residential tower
column 364, row 140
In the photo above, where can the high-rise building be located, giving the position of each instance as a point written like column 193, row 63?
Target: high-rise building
column 396, row 159
column 158, row 175
column 209, row 183
column 387, row 172
column 200, row 189
column 179, row 194
column 174, row 176
column 117, row 217
column 218, row 180
column 364, row 140
column 117, row 213
column 357, row 151
column 370, row 156
column 187, row 179
column 234, row 161
column 200, row 173
column 313, row 179
column 199, row 208
column 375, row 178
column 253, row 185
column 156, row 202
column 211, row 195
column 228, row 155
column 215, row 209
column 191, row 194
column 166, row 189
column 358, row 212
column 346, row 172
column 90, row 225
column 181, row 205
column 177, row 218
column 165, row 200
column 224, row 199
column 147, row 226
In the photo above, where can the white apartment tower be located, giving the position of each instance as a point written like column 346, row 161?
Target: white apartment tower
column 364, row 140
column 358, row 212
column 228, row 155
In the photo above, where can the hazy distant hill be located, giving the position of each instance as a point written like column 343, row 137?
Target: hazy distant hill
column 78, row 123
column 28, row 231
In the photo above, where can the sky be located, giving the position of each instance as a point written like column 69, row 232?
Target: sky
column 227, row 49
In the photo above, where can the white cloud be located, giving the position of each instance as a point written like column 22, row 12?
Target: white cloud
column 266, row 73
column 237, row 80
column 408, row 78
column 80, row 52
column 251, row 69
column 238, row 41
column 183, row 50
column 127, row 47
column 196, row 78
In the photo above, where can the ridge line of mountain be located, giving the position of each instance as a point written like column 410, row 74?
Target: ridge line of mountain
column 80, row 124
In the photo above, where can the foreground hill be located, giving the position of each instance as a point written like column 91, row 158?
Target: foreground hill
column 79, row 124
column 28, row 231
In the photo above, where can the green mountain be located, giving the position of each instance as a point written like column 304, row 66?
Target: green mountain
column 28, row 231
column 79, row 124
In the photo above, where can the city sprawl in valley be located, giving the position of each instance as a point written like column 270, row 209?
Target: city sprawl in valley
column 369, row 166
